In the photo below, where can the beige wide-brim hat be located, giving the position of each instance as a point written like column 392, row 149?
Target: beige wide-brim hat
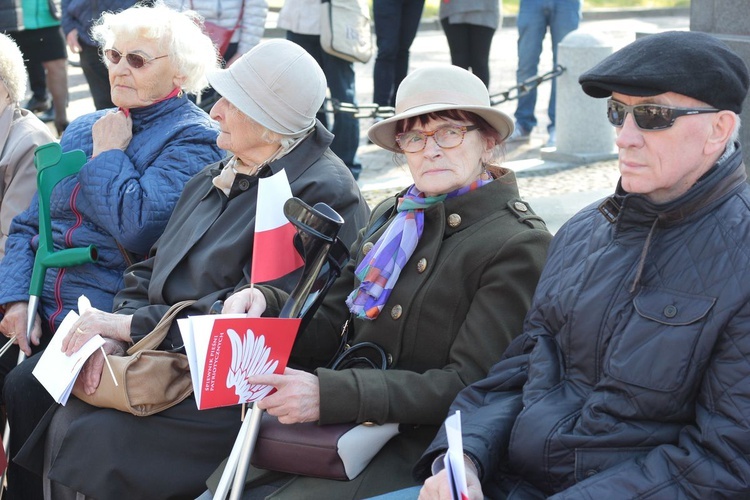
column 277, row 84
column 439, row 88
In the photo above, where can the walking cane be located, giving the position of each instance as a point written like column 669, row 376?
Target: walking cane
column 324, row 257
column 52, row 166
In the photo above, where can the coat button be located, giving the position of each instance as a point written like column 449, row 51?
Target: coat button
column 421, row 265
column 244, row 184
column 396, row 311
column 389, row 359
column 670, row 311
column 367, row 247
column 521, row 206
column 590, row 472
column 454, row 220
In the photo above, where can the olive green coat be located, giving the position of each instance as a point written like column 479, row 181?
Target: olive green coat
column 458, row 303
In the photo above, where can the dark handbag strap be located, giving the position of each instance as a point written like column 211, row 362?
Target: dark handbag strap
column 344, row 354
column 155, row 336
column 130, row 258
column 353, row 357
column 380, row 221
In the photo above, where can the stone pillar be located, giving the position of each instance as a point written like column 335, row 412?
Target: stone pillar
column 728, row 20
column 584, row 135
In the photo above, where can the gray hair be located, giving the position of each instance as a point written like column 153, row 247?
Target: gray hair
column 178, row 33
column 736, row 132
column 12, row 70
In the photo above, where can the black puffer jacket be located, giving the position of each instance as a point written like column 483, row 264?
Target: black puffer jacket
column 632, row 379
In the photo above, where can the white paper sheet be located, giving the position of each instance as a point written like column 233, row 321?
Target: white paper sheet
column 56, row 371
column 454, row 458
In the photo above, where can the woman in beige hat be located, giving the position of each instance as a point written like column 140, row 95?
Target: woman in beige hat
column 440, row 280
column 266, row 113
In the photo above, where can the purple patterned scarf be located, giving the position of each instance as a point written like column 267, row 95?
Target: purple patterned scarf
column 380, row 270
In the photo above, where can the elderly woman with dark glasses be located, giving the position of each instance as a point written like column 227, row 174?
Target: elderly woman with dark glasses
column 139, row 157
column 440, row 280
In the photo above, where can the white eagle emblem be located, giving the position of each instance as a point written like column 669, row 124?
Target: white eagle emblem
column 249, row 358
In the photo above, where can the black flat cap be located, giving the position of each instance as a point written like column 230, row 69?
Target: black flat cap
column 686, row 62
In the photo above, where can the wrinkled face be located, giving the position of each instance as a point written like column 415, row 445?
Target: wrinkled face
column 664, row 164
column 240, row 135
column 138, row 87
column 438, row 170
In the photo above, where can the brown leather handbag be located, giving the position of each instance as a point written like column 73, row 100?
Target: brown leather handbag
column 332, row 451
column 148, row 380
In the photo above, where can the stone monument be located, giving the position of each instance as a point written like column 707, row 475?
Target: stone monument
column 584, row 135
column 728, row 20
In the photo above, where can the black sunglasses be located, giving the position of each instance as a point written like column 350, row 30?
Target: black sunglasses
column 650, row 116
column 134, row 60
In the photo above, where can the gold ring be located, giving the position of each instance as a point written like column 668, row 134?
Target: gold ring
column 79, row 331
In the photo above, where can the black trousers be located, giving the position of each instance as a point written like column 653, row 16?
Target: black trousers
column 26, row 402
column 470, row 47
column 97, row 75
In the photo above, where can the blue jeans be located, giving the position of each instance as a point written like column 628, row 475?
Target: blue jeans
column 396, row 25
column 340, row 76
column 534, row 17
column 405, row 494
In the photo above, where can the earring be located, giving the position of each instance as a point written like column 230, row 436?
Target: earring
column 484, row 175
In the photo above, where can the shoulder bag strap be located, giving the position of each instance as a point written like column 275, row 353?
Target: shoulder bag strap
column 239, row 19
column 155, row 337
column 130, row 259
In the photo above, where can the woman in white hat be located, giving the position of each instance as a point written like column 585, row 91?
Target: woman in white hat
column 441, row 283
column 270, row 97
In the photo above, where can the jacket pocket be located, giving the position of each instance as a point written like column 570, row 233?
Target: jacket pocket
column 654, row 348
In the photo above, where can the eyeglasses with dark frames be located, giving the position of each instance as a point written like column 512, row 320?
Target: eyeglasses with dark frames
column 135, row 61
column 650, row 116
column 447, row 137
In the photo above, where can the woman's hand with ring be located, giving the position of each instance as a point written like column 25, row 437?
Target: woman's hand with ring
column 93, row 322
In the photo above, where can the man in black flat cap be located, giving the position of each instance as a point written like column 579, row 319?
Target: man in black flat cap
column 632, row 376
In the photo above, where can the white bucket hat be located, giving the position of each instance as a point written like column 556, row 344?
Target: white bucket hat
column 277, row 84
column 439, row 88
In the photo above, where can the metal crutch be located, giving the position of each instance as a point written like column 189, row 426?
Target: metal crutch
column 52, row 166
column 324, row 257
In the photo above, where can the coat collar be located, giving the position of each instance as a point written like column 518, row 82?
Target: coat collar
column 296, row 162
column 722, row 181
column 634, row 211
column 478, row 204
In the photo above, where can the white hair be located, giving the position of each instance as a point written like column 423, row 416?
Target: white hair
column 12, row 70
column 178, row 33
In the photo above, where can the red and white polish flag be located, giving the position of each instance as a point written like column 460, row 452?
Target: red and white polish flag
column 274, row 254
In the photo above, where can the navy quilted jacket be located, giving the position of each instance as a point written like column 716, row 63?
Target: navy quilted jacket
column 124, row 196
column 629, row 382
